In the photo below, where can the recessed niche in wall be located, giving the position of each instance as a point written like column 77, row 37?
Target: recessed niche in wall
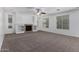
column 46, row 22
column 21, row 28
column 9, row 26
column 9, row 18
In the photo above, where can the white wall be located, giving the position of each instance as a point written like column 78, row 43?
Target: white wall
column 74, row 24
column 24, row 18
column 1, row 27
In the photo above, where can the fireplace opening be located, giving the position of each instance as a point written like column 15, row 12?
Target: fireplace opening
column 28, row 27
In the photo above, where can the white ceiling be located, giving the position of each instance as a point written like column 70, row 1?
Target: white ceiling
column 18, row 9
column 50, row 10
column 30, row 10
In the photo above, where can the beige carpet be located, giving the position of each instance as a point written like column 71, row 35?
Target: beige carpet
column 40, row 42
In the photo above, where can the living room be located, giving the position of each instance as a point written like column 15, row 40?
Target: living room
column 39, row 29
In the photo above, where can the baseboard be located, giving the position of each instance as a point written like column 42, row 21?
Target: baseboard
column 1, row 41
column 73, row 35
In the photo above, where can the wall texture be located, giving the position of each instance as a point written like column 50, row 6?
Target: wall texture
column 24, row 18
column 1, row 27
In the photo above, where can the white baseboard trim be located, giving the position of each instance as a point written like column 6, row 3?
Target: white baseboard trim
column 1, row 41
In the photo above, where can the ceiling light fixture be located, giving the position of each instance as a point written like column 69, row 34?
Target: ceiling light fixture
column 39, row 11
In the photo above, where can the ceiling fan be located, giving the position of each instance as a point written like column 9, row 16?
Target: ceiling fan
column 39, row 11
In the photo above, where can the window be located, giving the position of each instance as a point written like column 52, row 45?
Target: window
column 63, row 22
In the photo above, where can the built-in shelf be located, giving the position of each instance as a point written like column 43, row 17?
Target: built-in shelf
column 23, row 28
column 20, row 29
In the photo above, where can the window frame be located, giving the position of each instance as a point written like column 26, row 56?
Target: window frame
column 64, row 21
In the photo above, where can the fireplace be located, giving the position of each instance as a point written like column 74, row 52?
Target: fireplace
column 28, row 27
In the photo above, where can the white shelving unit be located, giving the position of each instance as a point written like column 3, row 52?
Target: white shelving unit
column 20, row 29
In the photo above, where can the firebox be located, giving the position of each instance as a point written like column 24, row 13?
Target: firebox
column 28, row 27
